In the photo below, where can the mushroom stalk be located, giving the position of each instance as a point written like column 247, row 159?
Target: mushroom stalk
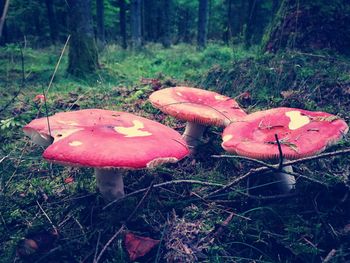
column 278, row 182
column 110, row 183
column 286, row 182
column 193, row 133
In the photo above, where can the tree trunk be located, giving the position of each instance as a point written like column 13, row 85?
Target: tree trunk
column 82, row 57
column 122, row 22
column 248, row 34
column 4, row 4
column 229, row 22
column 100, row 10
column 136, row 23
column 308, row 25
column 202, row 23
column 52, row 21
column 166, row 23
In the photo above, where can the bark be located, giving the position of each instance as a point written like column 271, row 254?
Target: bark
column 82, row 57
column 308, row 25
column 248, row 34
column 229, row 22
column 122, row 23
column 100, row 10
column 202, row 23
column 3, row 12
column 136, row 23
column 52, row 20
column 166, row 23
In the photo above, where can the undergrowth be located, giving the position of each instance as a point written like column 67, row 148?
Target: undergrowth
column 37, row 197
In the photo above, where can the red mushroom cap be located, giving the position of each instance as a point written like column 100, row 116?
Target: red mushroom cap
column 106, row 139
column 301, row 133
column 197, row 105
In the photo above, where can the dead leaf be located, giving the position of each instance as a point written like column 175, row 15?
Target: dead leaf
column 138, row 246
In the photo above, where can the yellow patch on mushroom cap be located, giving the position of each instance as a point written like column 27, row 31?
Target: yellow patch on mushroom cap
column 133, row 131
column 227, row 137
column 296, row 120
column 75, row 143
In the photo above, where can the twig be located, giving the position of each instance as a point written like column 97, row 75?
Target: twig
column 319, row 156
column 330, row 255
column 57, row 65
column 271, row 166
column 237, row 180
column 48, row 218
column 280, row 163
column 263, row 169
column 162, row 185
column 98, row 242
column 123, row 225
column 141, row 201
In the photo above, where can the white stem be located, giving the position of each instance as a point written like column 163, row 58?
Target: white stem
column 110, row 183
column 281, row 182
column 193, row 134
column 286, row 181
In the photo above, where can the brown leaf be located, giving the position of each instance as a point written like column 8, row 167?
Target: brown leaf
column 138, row 246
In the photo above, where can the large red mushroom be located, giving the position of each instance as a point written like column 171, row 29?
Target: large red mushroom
column 199, row 108
column 301, row 133
column 107, row 141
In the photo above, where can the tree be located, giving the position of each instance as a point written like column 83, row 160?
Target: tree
column 308, row 25
column 122, row 22
column 82, row 57
column 100, row 21
column 4, row 4
column 136, row 23
column 166, row 23
column 52, row 20
column 202, row 23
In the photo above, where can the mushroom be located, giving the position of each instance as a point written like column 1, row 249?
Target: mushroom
column 300, row 133
column 106, row 140
column 200, row 108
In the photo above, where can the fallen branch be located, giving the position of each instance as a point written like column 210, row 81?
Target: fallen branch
column 165, row 184
column 275, row 167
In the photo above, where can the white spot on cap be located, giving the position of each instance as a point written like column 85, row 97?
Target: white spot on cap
column 227, row 137
column 296, row 120
column 220, row 97
column 179, row 93
column 133, row 131
column 75, row 143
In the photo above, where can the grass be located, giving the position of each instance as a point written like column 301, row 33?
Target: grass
column 303, row 228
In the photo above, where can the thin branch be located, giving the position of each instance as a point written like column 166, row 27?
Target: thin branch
column 280, row 163
column 162, row 185
column 57, row 65
column 47, row 217
column 271, row 166
column 264, row 169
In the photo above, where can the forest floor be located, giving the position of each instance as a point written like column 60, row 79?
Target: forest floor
column 60, row 210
